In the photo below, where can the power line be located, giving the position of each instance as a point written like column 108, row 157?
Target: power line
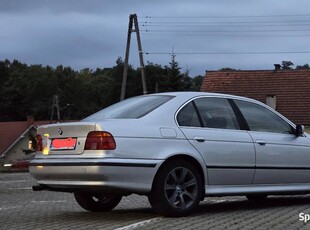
column 221, row 31
column 231, row 16
column 228, row 32
column 232, row 35
column 227, row 53
column 225, row 25
column 254, row 26
column 221, row 25
column 225, row 31
column 220, row 22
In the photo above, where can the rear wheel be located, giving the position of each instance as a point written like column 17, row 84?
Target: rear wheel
column 97, row 202
column 176, row 189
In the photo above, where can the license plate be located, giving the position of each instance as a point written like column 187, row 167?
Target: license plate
column 63, row 144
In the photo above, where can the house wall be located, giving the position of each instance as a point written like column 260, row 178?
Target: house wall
column 17, row 153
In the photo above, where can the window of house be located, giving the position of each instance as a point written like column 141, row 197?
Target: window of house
column 30, row 145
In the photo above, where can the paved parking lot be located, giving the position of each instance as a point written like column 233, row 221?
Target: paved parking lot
column 21, row 208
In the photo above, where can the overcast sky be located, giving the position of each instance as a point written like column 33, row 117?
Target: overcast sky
column 93, row 33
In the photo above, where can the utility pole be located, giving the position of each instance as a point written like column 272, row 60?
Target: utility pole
column 55, row 105
column 133, row 21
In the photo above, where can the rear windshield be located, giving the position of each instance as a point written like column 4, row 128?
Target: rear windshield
column 135, row 107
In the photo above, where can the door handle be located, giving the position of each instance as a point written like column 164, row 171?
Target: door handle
column 261, row 142
column 199, row 139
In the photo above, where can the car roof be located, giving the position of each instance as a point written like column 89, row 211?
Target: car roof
column 190, row 94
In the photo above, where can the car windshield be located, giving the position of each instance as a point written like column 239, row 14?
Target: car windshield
column 135, row 107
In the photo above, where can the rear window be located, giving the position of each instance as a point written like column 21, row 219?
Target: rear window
column 135, row 107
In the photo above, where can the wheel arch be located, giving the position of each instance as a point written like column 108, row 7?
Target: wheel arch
column 190, row 159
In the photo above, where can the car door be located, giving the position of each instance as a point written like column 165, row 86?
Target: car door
column 210, row 125
column 281, row 156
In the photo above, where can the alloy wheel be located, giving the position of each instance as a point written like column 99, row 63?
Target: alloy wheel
column 181, row 188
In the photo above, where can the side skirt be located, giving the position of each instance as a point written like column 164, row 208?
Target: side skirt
column 291, row 189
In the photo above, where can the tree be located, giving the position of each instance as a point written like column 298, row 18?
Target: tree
column 156, row 78
column 196, row 83
column 227, row 69
column 29, row 89
column 4, row 71
column 174, row 75
column 305, row 66
column 287, row 65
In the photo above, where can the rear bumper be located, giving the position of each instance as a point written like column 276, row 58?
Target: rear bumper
column 109, row 174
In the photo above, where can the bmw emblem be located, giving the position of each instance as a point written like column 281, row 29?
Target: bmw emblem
column 60, row 131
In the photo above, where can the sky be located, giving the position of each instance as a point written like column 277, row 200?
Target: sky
column 204, row 35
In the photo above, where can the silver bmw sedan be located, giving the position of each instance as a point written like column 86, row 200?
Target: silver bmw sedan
column 176, row 148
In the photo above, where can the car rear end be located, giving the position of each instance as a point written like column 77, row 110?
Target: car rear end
column 84, row 156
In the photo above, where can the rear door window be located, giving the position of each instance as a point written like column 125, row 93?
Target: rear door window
column 217, row 113
column 212, row 112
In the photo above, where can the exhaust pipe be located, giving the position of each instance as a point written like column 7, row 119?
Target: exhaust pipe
column 39, row 187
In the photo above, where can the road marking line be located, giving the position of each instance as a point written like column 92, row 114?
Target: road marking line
column 15, row 174
column 25, row 188
column 139, row 224
column 13, row 181
column 4, row 208
column 49, row 201
column 218, row 201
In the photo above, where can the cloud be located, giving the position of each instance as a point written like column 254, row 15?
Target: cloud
column 92, row 33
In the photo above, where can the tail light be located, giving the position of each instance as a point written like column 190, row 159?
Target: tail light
column 99, row 140
column 39, row 144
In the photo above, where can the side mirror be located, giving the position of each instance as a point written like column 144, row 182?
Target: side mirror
column 299, row 130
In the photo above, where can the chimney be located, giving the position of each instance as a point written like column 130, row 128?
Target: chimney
column 30, row 120
column 277, row 66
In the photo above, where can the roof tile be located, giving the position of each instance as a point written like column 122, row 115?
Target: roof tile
column 291, row 87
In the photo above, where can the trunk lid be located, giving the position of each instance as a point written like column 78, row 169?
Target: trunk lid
column 65, row 138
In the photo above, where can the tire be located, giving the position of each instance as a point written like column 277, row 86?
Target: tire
column 177, row 189
column 256, row 198
column 97, row 202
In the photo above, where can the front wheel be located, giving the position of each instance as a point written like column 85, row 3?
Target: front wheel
column 97, row 202
column 177, row 189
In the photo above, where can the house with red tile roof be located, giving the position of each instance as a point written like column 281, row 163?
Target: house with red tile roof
column 287, row 91
column 16, row 140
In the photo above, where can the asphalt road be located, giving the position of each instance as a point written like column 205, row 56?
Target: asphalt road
column 22, row 208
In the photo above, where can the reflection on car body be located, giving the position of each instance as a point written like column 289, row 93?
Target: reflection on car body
column 176, row 148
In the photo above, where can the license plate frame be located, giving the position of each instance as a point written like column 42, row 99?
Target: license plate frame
column 59, row 144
